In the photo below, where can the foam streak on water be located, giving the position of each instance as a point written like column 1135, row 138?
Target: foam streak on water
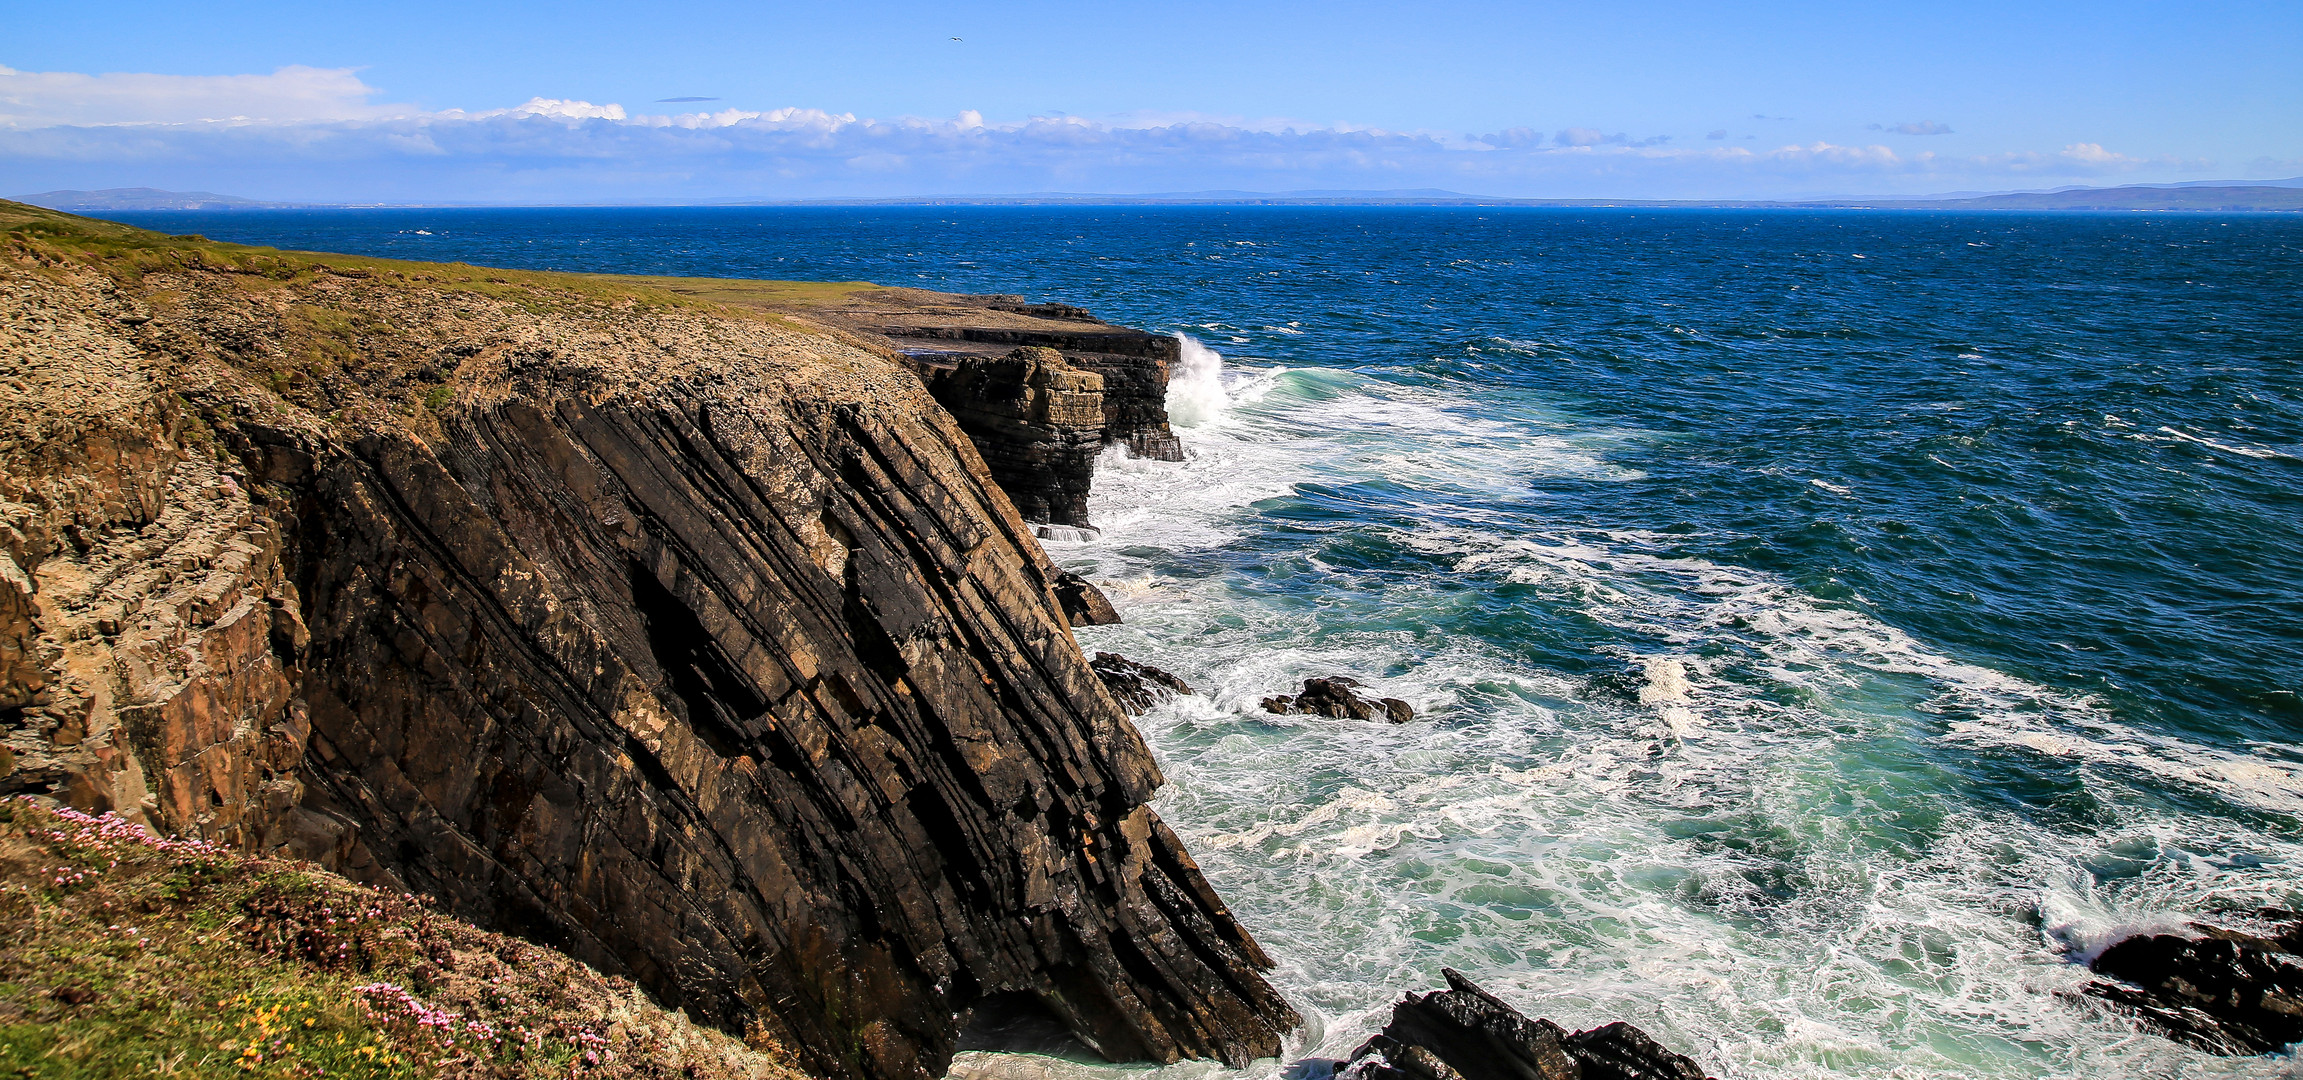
column 1779, row 838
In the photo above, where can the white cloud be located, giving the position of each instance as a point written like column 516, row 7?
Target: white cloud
column 557, row 109
column 295, row 94
column 312, row 134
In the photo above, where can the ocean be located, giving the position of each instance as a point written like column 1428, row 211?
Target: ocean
column 1824, row 628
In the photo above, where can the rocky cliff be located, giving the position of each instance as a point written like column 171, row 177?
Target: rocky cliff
column 694, row 641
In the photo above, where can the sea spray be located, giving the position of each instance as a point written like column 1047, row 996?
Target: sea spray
column 1195, row 393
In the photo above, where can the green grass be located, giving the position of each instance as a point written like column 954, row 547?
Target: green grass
column 128, row 252
column 131, row 956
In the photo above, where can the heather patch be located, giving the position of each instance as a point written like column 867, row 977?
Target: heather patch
column 132, row 955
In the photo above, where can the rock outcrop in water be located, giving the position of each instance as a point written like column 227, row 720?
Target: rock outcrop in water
column 1138, row 687
column 2225, row 992
column 1466, row 1033
column 697, row 646
column 1338, row 696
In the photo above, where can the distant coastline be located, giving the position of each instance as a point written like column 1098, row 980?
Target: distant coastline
column 2256, row 196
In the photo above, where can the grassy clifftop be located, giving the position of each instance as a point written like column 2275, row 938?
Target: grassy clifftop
column 132, row 955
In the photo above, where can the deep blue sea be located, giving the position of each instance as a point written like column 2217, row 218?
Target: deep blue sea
column 1824, row 626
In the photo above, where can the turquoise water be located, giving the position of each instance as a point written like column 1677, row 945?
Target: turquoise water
column 1823, row 626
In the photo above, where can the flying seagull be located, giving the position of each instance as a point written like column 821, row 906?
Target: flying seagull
column 955, row 39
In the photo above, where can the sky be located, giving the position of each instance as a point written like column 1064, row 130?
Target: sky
column 581, row 102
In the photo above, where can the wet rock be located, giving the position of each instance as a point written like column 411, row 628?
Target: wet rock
column 1083, row 604
column 1339, row 697
column 1137, row 686
column 2228, row 992
column 1466, row 1033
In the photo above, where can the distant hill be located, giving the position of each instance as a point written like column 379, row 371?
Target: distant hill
column 2223, row 198
column 2226, row 196
column 143, row 198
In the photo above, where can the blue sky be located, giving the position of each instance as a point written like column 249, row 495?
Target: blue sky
column 565, row 102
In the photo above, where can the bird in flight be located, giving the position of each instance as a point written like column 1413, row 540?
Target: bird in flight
column 955, row 39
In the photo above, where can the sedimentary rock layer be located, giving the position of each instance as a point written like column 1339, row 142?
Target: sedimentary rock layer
column 697, row 645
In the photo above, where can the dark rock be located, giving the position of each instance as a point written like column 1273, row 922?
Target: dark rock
column 1083, row 604
column 1466, row 1033
column 73, row 995
column 1339, row 697
column 1619, row 1051
column 697, row 646
column 1137, row 686
column 2228, row 993
column 1037, row 421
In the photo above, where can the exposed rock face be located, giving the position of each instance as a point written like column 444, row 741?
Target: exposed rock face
column 1037, row 421
column 2226, row 993
column 703, row 649
column 1083, row 604
column 1465, row 1033
column 1137, row 686
column 1338, row 696
column 941, row 335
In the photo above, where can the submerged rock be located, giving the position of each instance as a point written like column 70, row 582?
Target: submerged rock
column 2228, row 992
column 1137, row 686
column 1339, row 697
column 1466, row 1033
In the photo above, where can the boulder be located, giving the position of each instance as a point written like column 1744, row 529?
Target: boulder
column 1466, row 1033
column 2227, row 992
column 1137, row 686
column 1339, row 697
column 1083, row 604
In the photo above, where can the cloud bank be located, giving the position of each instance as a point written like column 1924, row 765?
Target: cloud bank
column 320, row 135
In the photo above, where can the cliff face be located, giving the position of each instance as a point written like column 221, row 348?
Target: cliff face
column 1039, row 425
column 695, row 644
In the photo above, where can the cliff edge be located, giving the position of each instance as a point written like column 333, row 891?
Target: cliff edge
column 692, row 640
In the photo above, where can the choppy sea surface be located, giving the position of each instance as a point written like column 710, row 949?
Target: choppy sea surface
column 1824, row 628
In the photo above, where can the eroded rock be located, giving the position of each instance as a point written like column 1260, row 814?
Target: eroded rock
column 1338, row 696
column 1137, row 686
column 1466, row 1033
column 2226, row 992
column 1083, row 604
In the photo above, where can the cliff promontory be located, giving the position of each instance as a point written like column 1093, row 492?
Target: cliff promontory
column 696, row 641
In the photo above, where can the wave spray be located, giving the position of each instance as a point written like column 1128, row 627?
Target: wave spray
column 1195, row 390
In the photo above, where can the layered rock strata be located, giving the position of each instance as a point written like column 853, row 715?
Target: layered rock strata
column 700, row 647
column 1037, row 421
column 947, row 338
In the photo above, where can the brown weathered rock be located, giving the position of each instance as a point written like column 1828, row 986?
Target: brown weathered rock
column 938, row 331
column 1083, row 604
column 1038, row 422
column 1136, row 686
column 1466, row 1033
column 703, row 649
